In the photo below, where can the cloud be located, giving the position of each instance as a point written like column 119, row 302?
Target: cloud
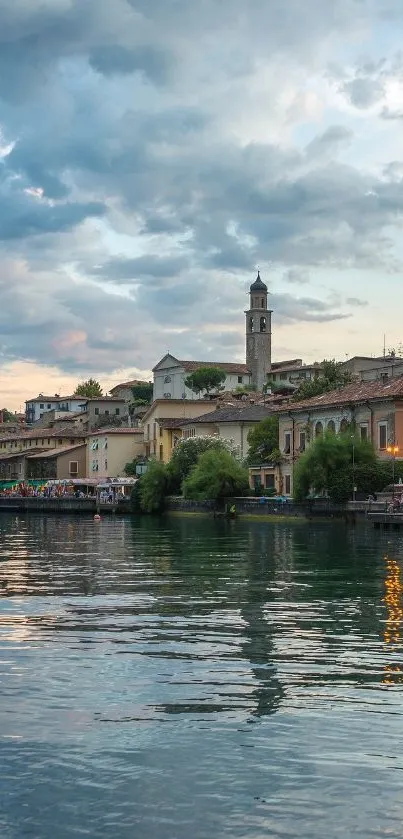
column 356, row 301
column 151, row 157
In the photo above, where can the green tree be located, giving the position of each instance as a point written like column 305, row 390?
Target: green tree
column 327, row 467
column 217, row 475
column 263, row 440
column 142, row 393
column 91, row 389
column 7, row 416
column 206, row 379
column 333, row 375
column 186, row 455
column 153, row 487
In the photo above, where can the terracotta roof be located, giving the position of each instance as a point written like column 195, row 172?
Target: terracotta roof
column 53, row 398
column 248, row 413
column 172, row 422
column 228, row 367
column 352, row 393
column 23, row 453
column 132, row 383
column 49, row 453
column 86, row 399
column 115, row 430
column 41, row 433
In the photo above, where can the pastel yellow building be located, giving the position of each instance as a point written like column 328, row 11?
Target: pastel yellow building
column 109, row 449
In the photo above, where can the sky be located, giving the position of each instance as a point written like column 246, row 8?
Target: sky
column 154, row 153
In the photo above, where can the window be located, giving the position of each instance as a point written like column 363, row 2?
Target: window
column 161, row 452
column 107, row 413
column 382, row 435
column 155, row 430
column 318, row 429
column 42, row 442
column 364, row 432
column 105, row 444
column 287, row 482
column 161, row 431
column 73, row 467
column 343, row 426
column 302, row 441
column 287, row 443
column 96, row 412
column 283, row 376
column 167, row 380
column 251, row 324
column 41, row 415
column 262, row 303
column 263, row 324
column 117, row 411
column 331, row 426
column 269, row 481
column 148, row 431
column 48, row 441
column 20, row 468
column 48, row 406
column 36, row 442
column 41, row 404
column 94, row 445
column 106, row 465
column 256, row 481
column 240, row 380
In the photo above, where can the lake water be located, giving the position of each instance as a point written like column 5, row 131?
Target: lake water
column 186, row 678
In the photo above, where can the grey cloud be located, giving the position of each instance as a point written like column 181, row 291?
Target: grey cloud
column 122, row 270
column 363, row 92
column 291, row 309
column 356, row 301
column 112, row 59
column 122, row 116
column 296, row 276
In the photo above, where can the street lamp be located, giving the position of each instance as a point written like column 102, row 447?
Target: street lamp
column 393, row 450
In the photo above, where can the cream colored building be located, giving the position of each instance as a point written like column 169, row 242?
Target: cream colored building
column 231, row 424
column 109, row 449
column 159, row 440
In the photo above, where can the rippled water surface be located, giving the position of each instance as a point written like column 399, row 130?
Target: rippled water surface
column 195, row 679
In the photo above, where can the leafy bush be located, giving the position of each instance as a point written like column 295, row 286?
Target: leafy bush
column 263, row 440
column 327, row 466
column 153, row 487
column 186, row 455
column 217, row 475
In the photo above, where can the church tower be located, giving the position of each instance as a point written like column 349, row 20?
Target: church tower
column 258, row 334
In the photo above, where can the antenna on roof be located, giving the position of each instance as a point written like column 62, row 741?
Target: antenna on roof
column 384, row 345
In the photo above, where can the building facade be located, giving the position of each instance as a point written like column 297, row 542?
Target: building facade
column 163, row 421
column 170, row 374
column 37, row 407
column 109, row 449
column 231, row 424
column 374, row 409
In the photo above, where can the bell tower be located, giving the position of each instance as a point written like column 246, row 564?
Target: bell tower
column 258, row 334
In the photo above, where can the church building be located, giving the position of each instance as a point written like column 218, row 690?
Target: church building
column 170, row 373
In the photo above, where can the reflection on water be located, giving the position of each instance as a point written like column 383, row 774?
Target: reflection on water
column 191, row 677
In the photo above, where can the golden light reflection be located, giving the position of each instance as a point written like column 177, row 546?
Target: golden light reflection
column 394, row 616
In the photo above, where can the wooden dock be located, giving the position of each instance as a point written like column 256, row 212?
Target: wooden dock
column 386, row 521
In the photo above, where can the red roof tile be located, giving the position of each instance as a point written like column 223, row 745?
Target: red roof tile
column 352, row 393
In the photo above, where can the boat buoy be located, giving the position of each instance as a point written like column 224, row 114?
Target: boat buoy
column 97, row 517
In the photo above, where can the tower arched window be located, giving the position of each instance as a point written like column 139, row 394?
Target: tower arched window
column 251, row 324
column 167, row 380
column 262, row 303
column 263, row 324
